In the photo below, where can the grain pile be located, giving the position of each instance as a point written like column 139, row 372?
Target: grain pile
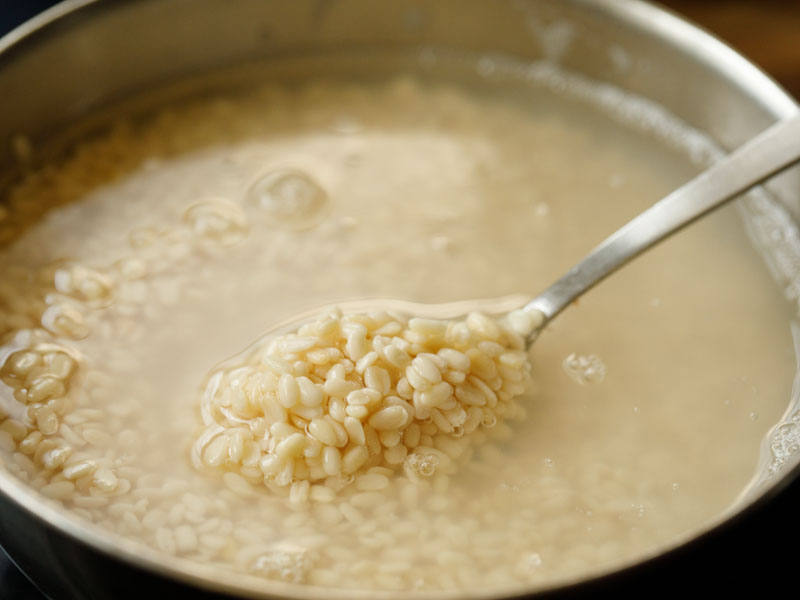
column 346, row 393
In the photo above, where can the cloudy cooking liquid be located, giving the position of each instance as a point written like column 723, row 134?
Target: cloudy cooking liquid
column 232, row 214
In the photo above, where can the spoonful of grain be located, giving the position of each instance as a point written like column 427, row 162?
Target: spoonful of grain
column 355, row 394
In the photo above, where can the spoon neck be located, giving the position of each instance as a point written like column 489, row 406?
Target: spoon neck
column 765, row 155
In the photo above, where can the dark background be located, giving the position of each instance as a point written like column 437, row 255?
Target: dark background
column 757, row 556
column 765, row 31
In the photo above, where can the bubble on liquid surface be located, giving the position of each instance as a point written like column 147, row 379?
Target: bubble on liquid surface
column 84, row 284
column 531, row 561
column 289, row 198
column 424, row 465
column 284, row 562
column 217, row 220
column 584, row 369
column 784, row 444
column 65, row 320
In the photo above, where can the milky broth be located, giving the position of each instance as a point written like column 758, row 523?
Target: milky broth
column 425, row 192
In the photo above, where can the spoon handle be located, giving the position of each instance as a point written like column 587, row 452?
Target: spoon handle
column 768, row 153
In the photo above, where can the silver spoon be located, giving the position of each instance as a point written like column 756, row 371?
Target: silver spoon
column 770, row 152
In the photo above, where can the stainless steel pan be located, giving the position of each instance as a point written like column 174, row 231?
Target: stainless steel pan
column 85, row 55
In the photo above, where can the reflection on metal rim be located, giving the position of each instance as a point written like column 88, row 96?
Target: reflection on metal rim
column 633, row 14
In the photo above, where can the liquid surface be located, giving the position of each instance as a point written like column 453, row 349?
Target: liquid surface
column 172, row 245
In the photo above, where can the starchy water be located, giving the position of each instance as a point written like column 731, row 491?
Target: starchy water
column 170, row 243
